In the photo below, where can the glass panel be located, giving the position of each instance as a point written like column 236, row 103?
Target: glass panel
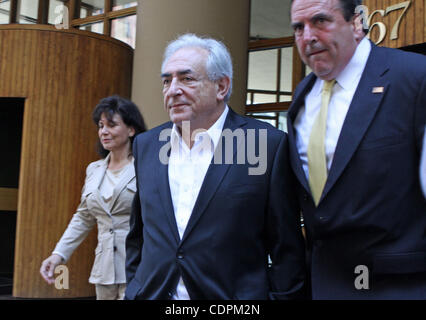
column 262, row 72
column 282, row 121
column 270, row 117
column 91, row 8
column 28, row 10
column 124, row 29
column 83, row 12
column 286, row 69
column 57, row 10
column 285, row 98
column 122, row 4
column 4, row 18
column 270, row 19
column 264, row 98
column 97, row 27
column 4, row 11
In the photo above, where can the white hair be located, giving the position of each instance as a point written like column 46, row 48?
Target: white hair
column 219, row 62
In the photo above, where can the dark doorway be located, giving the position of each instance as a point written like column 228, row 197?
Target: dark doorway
column 11, row 118
column 417, row 48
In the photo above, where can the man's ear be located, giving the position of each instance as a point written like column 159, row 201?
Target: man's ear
column 223, row 85
column 358, row 27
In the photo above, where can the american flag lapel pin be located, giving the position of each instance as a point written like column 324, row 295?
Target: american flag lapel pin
column 378, row 89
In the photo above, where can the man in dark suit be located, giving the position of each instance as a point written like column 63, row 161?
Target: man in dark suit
column 214, row 196
column 357, row 166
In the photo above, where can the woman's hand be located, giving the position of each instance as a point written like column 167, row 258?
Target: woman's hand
column 48, row 267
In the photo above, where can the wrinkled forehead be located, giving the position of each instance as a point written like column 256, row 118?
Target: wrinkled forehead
column 305, row 9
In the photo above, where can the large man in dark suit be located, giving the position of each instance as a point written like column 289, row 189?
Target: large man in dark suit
column 214, row 193
column 366, row 227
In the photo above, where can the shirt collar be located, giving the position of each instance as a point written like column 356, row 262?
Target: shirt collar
column 214, row 131
column 350, row 76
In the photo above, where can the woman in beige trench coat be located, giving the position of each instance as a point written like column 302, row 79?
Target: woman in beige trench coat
column 106, row 199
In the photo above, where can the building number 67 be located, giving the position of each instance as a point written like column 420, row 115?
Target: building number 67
column 363, row 10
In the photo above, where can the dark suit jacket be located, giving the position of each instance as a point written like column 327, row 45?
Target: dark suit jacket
column 238, row 219
column 372, row 211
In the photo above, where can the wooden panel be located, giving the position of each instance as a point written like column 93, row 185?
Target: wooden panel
column 270, row 43
column 13, row 11
column 43, row 12
column 268, row 107
column 62, row 74
column 104, row 16
column 409, row 25
column 8, row 199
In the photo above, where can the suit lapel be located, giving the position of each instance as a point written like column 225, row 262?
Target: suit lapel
column 96, row 181
column 128, row 175
column 164, row 190
column 298, row 102
column 214, row 175
column 362, row 110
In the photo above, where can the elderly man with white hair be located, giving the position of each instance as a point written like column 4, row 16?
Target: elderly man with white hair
column 214, row 202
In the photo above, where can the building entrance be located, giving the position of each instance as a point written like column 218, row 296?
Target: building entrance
column 11, row 117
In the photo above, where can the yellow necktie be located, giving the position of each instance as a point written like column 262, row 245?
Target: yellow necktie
column 316, row 147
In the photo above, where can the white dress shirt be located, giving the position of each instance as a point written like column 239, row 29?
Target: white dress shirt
column 343, row 91
column 187, row 169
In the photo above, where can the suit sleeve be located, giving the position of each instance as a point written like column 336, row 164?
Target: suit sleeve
column 134, row 239
column 287, row 274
